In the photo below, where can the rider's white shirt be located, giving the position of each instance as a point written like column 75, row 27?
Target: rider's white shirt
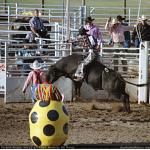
column 91, row 40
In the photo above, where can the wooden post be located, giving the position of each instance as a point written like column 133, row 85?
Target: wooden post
column 68, row 20
column 42, row 7
column 125, row 6
column 5, row 8
column 139, row 9
column 83, row 2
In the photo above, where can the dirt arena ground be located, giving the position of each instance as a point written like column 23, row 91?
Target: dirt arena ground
column 95, row 122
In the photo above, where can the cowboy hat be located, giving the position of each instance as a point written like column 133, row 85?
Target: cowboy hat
column 82, row 31
column 89, row 19
column 119, row 18
column 142, row 18
column 36, row 65
column 114, row 21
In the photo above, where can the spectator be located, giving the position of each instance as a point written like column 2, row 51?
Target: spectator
column 37, row 27
column 30, row 37
column 26, row 50
column 127, row 42
column 34, row 77
column 116, row 31
column 93, row 31
column 141, row 31
column 26, row 53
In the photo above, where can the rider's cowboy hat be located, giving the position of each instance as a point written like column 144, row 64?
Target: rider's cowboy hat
column 36, row 65
column 120, row 18
column 114, row 21
column 82, row 31
column 89, row 19
column 142, row 18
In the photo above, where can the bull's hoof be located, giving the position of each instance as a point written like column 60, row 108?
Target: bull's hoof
column 127, row 110
column 74, row 99
column 78, row 99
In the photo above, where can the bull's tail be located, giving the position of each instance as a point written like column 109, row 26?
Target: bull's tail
column 139, row 85
column 120, row 77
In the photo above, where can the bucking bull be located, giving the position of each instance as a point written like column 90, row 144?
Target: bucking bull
column 95, row 74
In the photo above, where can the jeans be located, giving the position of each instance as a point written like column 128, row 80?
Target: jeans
column 33, row 93
column 137, row 43
column 127, row 44
column 124, row 62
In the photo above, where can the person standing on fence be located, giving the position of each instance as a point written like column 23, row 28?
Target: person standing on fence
column 141, row 31
column 116, row 31
column 34, row 77
column 93, row 31
column 37, row 27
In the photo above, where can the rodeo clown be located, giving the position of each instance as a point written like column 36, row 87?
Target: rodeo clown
column 89, row 44
column 41, row 89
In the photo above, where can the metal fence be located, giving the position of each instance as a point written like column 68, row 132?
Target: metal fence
column 10, row 60
column 15, row 65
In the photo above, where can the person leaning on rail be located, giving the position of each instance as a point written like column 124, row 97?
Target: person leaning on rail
column 116, row 31
column 27, row 55
column 127, row 42
column 94, row 31
column 141, row 31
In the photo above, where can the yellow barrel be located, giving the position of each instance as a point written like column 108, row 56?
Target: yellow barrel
column 48, row 123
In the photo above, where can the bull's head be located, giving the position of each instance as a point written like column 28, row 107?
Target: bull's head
column 53, row 74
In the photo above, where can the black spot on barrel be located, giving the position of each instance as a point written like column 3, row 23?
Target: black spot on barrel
column 34, row 117
column 49, row 130
column 65, row 128
column 44, row 103
column 36, row 140
column 64, row 110
column 53, row 115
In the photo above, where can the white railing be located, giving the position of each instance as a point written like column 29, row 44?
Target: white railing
column 137, row 60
